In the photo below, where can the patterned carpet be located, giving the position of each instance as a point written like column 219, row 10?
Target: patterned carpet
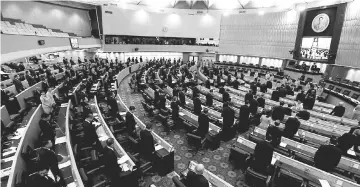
column 214, row 161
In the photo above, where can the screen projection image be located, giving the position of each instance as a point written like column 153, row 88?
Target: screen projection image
column 316, row 48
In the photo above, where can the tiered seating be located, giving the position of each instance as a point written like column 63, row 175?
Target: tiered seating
column 19, row 28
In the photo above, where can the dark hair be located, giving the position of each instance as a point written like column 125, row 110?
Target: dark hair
column 109, row 141
column 44, row 115
column 132, row 108
column 148, row 125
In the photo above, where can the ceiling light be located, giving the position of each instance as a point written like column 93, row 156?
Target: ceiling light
column 261, row 12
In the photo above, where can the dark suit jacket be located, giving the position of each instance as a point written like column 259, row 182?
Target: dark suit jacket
column 262, row 156
column 130, row 122
column 197, row 106
column 269, row 84
column 110, row 161
column 338, row 111
column 146, row 143
column 221, row 90
column 90, row 135
column 228, row 115
column 113, row 104
column 226, row 96
column 305, row 115
column 203, row 128
column 244, row 113
column 274, row 134
column 346, row 141
column 174, row 109
column 18, row 85
column 278, row 113
column 47, row 130
column 207, row 84
column 275, row 95
column 327, row 157
column 253, row 106
column 261, row 102
column 48, row 158
column 38, row 180
column 300, row 96
column 291, row 127
column 248, row 97
column 195, row 180
column 162, row 101
column 209, row 99
column 182, row 97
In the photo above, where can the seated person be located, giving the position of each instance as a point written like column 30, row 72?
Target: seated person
column 130, row 120
column 147, row 142
column 274, row 133
column 327, row 157
column 287, row 110
column 203, row 122
column 292, row 125
column 197, row 105
column 262, row 157
column 209, row 98
column 265, row 119
column 349, row 140
column 303, row 114
column 90, row 135
column 48, row 131
column 196, row 178
column 278, row 112
column 338, row 110
column 275, row 96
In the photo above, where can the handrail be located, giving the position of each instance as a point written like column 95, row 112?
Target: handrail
column 74, row 168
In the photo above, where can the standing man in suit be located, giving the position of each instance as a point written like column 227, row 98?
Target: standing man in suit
column 18, row 85
column 147, row 142
column 274, row 133
column 90, row 136
column 197, row 105
column 175, row 110
column 110, row 161
column 48, row 131
column 41, row 178
column 182, row 97
column 48, row 159
column 130, row 121
column 162, row 101
column 207, row 84
column 262, row 156
column 261, row 100
column 338, row 110
column 244, row 114
column 228, row 116
column 203, row 121
column 292, row 125
column 156, row 97
column 226, row 96
column 196, row 178
column 114, row 109
column 209, row 98
column 254, row 106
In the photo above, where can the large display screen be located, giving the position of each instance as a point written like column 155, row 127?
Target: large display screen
column 316, row 48
column 74, row 43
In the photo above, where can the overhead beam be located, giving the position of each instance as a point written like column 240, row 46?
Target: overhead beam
column 242, row 6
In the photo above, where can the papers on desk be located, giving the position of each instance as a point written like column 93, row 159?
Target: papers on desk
column 103, row 138
column 5, row 172
column 64, row 105
column 123, row 159
column 324, row 183
column 60, row 140
column 181, row 114
column 73, row 184
column 158, row 147
column 7, row 159
column 10, row 151
column 122, row 113
column 65, row 164
column 351, row 151
column 282, row 144
column 125, row 167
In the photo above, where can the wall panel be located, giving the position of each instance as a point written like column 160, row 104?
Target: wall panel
column 270, row 35
column 348, row 53
column 52, row 16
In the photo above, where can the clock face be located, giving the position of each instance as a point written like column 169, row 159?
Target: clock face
column 165, row 29
column 320, row 23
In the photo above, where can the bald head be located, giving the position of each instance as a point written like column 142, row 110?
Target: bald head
column 356, row 132
column 199, row 169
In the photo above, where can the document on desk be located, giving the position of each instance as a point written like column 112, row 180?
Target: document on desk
column 123, row 159
column 65, row 164
column 9, row 151
column 122, row 113
column 324, row 183
column 73, row 184
column 60, row 140
column 181, row 114
column 158, row 147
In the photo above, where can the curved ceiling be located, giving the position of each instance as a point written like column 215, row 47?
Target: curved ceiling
column 212, row 4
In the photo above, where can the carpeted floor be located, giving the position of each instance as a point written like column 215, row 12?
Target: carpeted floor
column 214, row 161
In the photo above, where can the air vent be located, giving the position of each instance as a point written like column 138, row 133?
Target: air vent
column 242, row 11
column 108, row 12
column 200, row 12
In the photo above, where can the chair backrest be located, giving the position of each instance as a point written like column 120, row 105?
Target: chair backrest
column 194, row 140
column 83, row 175
column 177, row 182
column 255, row 178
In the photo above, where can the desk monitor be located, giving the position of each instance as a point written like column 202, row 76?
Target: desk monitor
column 345, row 81
column 355, row 96
column 346, row 92
column 355, row 83
column 338, row 79
column 331, row 87
column 338, row 90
